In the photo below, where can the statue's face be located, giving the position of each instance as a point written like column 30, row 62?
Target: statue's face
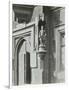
column 42, row 17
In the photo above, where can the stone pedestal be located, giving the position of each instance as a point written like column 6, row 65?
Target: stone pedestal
column 41, row 59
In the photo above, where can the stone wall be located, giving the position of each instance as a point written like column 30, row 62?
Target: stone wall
column 54, row 18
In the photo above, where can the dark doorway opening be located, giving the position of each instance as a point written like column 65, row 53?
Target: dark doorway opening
column 27, row 68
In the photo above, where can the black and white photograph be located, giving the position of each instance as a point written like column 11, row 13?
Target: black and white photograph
column 38, row 44
column 34, row 45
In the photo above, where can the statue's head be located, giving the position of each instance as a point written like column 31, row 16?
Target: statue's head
column 41, row 17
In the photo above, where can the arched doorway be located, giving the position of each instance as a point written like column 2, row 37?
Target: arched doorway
column 23, row 63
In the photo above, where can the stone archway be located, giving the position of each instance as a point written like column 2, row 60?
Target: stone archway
column 23, row 62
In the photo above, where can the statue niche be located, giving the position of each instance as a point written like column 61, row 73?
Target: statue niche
column 42, row 33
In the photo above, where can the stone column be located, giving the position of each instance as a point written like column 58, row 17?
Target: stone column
column 41, row 59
